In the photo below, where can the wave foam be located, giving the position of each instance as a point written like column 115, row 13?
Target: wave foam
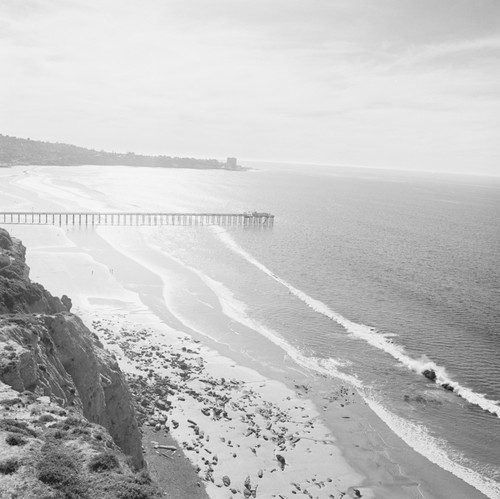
column 419, row 439
column 237, row 310
column 368, row 334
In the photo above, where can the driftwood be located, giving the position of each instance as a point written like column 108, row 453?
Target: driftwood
column 167, row 447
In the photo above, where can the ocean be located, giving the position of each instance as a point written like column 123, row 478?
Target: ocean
column 370, row 276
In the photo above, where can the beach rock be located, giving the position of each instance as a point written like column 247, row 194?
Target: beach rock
column 161, row 405
column 281, row 461
column 247, row 483
column 226, row 480
column 448, row 387
column 430, row 374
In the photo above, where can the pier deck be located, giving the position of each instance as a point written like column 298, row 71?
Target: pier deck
column 93, row 218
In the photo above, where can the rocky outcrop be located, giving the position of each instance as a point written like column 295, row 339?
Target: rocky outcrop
column 47, row 351
column 101, row 386
column 30, row 362
column 17, row 292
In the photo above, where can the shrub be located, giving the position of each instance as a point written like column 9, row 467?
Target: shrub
column 104, row 461
column 56, row 465
column 46, row 418
column 57, row 434
column 80, row 431
column 59, row 469
column 15, row 439
column 10, row 402
column 143, row 477
column 125, row 487
column 72, row 423
column 9, row 466
column 134, row 491
column 131, row 490
column 14, row 426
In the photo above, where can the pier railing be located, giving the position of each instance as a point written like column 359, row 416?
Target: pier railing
column 93, row 218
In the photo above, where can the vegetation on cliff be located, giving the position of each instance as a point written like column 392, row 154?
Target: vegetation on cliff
column 51, row 452
column 67, row 424
column 17, row 151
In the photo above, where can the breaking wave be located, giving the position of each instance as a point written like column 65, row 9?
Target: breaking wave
column 369, row 334
column 237, row 310
column 419, row 439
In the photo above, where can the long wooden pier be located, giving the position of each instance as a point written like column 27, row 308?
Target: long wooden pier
column 93, row 218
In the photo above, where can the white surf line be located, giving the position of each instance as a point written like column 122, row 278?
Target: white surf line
column 418, row 438
column 237, row 310
column 367, row 334
column 413, row 435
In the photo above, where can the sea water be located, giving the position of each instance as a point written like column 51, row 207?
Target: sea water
column 367, row 275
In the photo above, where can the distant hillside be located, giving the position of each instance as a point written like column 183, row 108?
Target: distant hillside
column 14, row 151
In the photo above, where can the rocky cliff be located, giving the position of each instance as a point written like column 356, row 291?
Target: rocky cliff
column 17, row 292
column 47, row 353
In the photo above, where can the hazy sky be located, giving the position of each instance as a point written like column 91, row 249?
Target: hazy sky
column 387, row 83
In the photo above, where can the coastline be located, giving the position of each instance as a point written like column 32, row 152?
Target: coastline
column 369, row 453
column 114, row 315
column 81, row 269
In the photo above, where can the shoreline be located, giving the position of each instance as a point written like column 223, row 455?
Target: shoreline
column 229, row 420
column 367, row 443
column 307, row 460
column 364, row 440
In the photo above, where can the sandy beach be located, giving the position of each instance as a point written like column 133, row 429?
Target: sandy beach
column 260, row 433
column 247, row 430
column 244, row 432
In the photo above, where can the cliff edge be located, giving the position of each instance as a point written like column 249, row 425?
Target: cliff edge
column 47, row 354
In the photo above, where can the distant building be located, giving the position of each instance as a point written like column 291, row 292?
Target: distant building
column 232, row 164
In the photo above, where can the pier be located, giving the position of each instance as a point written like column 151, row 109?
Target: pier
column 136, row 219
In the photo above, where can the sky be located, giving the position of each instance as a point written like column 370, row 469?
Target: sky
column 405, row 84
